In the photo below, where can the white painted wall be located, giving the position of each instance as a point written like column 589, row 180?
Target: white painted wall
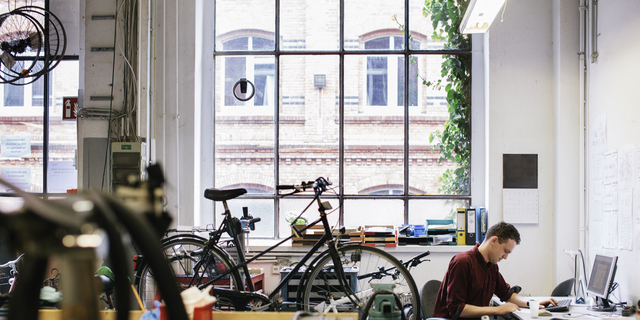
column 533, row 103
column 612, row 87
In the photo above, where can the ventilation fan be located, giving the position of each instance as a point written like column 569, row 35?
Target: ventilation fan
column 32, row 43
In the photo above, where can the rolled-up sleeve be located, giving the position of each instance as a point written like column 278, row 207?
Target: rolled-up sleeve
column 502, row 288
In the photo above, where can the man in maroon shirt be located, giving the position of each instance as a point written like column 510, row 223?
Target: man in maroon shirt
column 473, row 278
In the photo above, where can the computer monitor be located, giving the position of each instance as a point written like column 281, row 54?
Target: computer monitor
column 603, row 272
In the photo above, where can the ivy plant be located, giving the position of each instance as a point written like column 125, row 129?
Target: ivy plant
column 454, row 141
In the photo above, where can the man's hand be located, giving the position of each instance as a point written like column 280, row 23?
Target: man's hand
column 507, row 307
column 548, row 303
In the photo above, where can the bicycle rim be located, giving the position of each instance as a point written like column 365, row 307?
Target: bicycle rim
column 182, row 259
column 323, row 293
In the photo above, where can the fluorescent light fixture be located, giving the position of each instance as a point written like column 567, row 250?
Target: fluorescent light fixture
column 479, row 16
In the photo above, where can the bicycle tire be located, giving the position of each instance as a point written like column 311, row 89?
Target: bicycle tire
column 357, row 260
column 179, row 255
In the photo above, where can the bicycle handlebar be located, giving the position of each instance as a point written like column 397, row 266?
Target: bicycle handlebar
column 319, row 184
column 13, row 263
column 385, row 272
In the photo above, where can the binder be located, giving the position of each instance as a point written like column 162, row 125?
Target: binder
column 471, row 226
column 482, row 221
column 461, row 236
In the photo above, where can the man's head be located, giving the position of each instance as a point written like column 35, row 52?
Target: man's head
column 500, row 241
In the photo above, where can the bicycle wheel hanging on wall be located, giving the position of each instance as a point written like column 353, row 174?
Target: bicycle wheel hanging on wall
column 32, row 43
column 21, row 42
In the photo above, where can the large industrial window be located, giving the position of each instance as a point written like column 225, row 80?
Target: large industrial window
column 337, row 94
column 37, row 147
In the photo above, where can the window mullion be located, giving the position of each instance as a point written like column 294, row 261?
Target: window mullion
column 407, row 46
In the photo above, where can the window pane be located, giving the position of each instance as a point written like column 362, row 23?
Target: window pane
column 373, row 139
column 309, row 118
column 373, row 212
column 235, row 68
column 260, row 71
column 262, row 208
column 421, row 27
column 233, row 19
column 294, row 206
column 363, row 19
column 424, row 166
column 14, row 94
column 309, row 24
column 21, row 152
column 421, row 210
column 62, row 175
column 244, row 135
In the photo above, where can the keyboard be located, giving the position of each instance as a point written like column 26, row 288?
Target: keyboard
column 563, row 305
column 511, row 316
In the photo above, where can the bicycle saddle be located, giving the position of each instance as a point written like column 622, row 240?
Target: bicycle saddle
column 221, row 195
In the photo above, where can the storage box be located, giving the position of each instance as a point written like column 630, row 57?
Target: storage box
column 290, row 290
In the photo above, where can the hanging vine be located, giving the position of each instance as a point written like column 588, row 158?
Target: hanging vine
column 454, row 141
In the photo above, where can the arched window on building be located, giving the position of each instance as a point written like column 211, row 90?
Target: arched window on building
column 384, row 85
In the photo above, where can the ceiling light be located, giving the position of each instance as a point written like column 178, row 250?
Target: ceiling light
column 479, row 15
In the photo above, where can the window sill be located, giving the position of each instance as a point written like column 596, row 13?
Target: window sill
column 255, row 249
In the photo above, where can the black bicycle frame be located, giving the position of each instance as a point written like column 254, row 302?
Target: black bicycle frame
column 243, row 263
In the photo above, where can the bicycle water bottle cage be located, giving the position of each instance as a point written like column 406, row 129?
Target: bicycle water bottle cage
column 234, row 227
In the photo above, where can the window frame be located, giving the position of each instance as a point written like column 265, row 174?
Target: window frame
column 346, row 49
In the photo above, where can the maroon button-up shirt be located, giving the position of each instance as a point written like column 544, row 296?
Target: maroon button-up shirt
column 469, row 279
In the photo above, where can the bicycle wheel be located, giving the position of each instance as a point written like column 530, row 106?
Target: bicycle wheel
column 183, row 254
column 363, row 266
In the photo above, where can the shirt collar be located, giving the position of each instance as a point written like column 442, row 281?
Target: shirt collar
column 479, row 256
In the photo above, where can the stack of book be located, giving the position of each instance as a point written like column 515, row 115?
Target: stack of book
column 315, row 233
column 380, row 236
column 356, row 234
column 309, row 237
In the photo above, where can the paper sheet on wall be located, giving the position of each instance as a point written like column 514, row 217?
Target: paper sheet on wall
column 520, row 205
column 638, row 166
column 610, row 234
column 597, row 164
column 598, row 134
column 597, row 196
column 610, row 178
column 610, row 200
column 637, row 238
column 627, row 167
column 625, row 236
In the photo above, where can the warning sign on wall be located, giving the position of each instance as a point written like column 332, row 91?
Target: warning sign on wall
column 69, row 107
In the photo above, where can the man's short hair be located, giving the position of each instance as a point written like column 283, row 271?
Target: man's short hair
column 504, row 231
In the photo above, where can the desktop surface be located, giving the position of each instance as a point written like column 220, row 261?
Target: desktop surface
column 577, row 311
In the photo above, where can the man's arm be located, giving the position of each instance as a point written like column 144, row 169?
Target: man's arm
column 471, row 311
column 520, row 301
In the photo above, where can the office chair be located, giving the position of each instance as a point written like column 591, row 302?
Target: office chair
column 428, row 295
column 563, row 289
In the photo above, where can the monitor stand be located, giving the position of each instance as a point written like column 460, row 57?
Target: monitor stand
column 603, row 305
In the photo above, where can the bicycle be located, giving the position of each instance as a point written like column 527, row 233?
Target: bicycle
column 337, row 279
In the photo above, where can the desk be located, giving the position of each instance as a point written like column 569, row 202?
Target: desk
column 577, row 311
